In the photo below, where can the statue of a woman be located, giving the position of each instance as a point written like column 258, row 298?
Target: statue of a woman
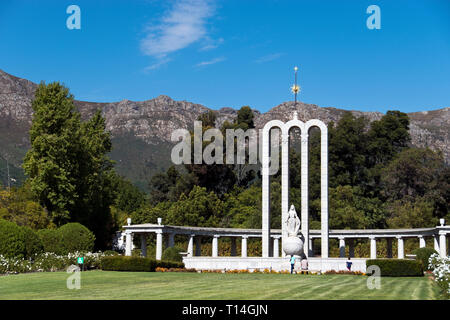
column 292, row 222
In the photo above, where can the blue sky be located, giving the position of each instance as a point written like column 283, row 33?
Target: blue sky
column 236, row 52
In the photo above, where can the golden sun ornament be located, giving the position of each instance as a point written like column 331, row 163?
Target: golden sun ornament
column 295, row 89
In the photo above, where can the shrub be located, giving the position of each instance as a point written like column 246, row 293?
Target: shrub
column 397, row 267
column 33, row 244
column 121, row 263
column 423, row 255
column 12, row 240
column 440, row 267
column 110, row 253
column 172, row 254
column 51, row 240
column 76, row 237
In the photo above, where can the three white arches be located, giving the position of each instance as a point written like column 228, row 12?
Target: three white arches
column 285, row 129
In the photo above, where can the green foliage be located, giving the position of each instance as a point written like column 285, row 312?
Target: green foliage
column 33, row 244
column 387, row 136
column 397, row 267
column 200, row 208
column 76, row 237
column 12, row 240
column 172, row 254
column 417, row 173
column 51, row 240
column 17, row 205
column 128, row 197
column 423, row 255
column 122, row 263
column 68, row 168
column 415, row 214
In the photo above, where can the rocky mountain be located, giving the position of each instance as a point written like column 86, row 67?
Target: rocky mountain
column 141, row 130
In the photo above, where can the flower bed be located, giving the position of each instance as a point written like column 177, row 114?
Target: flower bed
column 49, row 261
column 441, row 272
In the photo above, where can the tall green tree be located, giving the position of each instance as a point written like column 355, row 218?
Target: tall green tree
column 67, row 166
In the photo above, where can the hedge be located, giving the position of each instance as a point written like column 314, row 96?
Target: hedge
column 423, row 255
column 172, row 254
column 33, row 244
column 122, row 263
column 76, row 237
column 397, row 267
column 51, row 240
column 12, row 240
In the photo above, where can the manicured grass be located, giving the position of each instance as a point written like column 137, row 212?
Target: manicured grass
column 157, row 285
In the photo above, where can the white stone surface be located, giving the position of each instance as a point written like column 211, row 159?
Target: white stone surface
column 442, row 245
column 293, row 246
column 285, row 128
column 244, row 246
column 341, row 247
column 400, row 248
column 215, row 246
column 422, row 243
column 277, row 264
column 128, row 243
column 373, row 248
column 190, row 249
column 158, row 245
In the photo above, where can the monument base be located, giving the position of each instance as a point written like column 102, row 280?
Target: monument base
column 277, row 264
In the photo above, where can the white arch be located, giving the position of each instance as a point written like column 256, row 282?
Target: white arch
column 266, row 184
column 285, row 128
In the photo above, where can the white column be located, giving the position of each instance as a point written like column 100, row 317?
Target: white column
column 198, row 246
column 171, row 242
column 158, row 244
column 342, row 247
column 143, row 244
column 215, row 246
column 373, row 248
column 276, row 247
column 311, row 247
column 436, row 242
column 233, row 246
column 284, row 184
column 389, row 247
column 324, row 189
column 128, row 243
column 351, row 248
column 401, row 250
column 304, row 191
column 265, row 193
column 422, row 243
column 442, row 245
column 190, row 249
column 244, row 246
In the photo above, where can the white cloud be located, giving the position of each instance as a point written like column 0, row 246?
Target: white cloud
column 157, row 64
column 211, row 44
column 180, row 27
column 269, row 58
column 207, row 63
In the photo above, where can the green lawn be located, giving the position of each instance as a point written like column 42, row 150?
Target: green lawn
column 156, row 285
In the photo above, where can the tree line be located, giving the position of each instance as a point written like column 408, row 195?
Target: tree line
column 376, row 178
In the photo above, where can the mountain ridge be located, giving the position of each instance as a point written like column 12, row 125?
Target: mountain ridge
column 141, row 130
